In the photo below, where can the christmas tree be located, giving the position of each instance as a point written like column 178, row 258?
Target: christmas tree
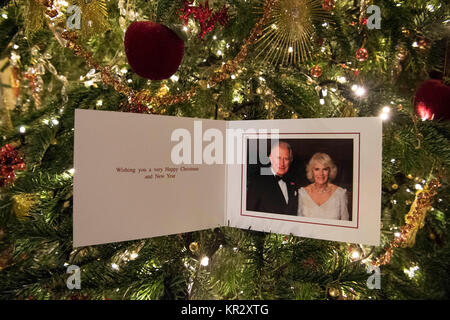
column 227, row 60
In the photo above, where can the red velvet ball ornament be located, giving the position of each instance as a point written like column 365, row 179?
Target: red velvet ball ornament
column 432, row 100
column 153, row 50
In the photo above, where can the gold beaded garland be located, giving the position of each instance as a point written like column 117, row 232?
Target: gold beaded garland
column 406, row 32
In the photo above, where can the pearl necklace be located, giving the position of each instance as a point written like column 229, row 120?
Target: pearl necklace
column 321, row 190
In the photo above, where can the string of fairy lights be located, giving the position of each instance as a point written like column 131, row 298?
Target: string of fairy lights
column 426, row 189
column 228, row 70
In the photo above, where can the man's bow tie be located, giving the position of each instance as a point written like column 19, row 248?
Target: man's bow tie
column 278, row 178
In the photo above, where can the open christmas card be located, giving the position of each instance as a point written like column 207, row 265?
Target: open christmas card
column 139, row 176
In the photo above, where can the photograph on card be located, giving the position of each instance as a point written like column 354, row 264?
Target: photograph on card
column 303, row 178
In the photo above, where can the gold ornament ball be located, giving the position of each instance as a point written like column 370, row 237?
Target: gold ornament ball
column 362, row 54
column 193, row 247
column 316, row 71
column 406, row 32
column 395, row 186
column 422, row 44
column 432, row 236
column 401, row 53
column 334, row 292
column 398, row 68
column 259, row 90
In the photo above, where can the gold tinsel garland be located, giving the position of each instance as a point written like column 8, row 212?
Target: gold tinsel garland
column 415, row 220
column 22, row 204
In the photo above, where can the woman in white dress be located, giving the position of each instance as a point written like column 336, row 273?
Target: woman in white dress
column 322, row 199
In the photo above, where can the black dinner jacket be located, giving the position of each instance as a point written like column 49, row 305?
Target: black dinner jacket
column 264, row 195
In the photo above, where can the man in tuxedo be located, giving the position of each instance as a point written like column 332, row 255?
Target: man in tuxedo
column 273, row 192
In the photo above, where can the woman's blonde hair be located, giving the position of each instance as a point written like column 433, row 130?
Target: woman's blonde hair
column 325, row 160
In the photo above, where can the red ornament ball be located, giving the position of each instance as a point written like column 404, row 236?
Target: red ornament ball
column 362, row 54
column 432, row 100
column 153, row 50
column 328, row 5
column 316, row 71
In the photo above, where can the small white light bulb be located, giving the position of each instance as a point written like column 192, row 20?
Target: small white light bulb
column 360, row 91
column 205, row 261
column 384, row 116
column 342, row 79
column 355, row 255
column 133, row 256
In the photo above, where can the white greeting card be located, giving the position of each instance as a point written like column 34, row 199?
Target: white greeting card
column 139, row 176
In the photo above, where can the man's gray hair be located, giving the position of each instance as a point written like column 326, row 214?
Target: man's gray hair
column 283, row 144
